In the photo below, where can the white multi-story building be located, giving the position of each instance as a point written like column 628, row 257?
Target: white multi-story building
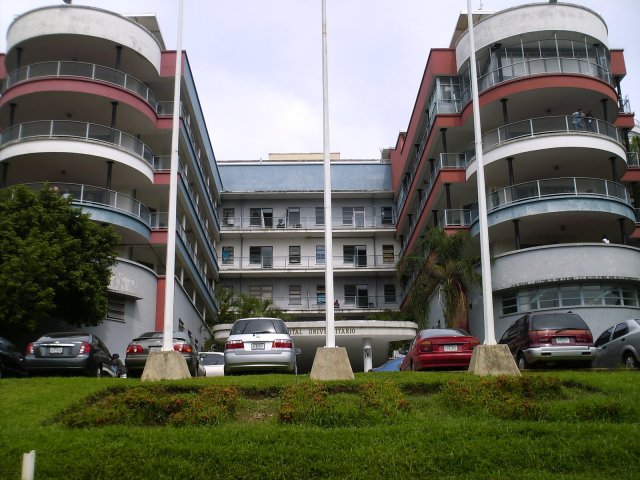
column 273, row 247
column 86, row 105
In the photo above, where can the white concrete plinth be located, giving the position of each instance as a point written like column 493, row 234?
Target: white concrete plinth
column 331, row 363
column 493, row 360
column 165, row 366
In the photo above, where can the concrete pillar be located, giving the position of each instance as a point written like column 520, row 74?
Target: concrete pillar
column 367, row 354
column 3, row 176
column 447, row 191
column 443, row 133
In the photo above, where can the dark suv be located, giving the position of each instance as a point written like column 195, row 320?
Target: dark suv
column 550, row 338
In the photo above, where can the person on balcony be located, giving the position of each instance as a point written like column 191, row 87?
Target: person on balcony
column 578, row 120
column 588, row 118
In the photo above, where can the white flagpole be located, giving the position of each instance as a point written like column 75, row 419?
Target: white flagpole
column 328, row 237
column 167, row 342
column 485, row 259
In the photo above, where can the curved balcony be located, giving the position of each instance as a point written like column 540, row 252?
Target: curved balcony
column 81, row 70
column 540, row 126
column 566, row 188
column 565, row 262
column 88, row 196
column 65, row 129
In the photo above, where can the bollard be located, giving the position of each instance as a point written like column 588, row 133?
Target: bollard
column 28, row 465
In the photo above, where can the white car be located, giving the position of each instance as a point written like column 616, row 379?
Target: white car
column 259, row 344
column 211, row 364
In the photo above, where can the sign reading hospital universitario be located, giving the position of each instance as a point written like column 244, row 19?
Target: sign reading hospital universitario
column 300, row 332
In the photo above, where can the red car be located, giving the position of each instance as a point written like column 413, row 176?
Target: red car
column 445, row 348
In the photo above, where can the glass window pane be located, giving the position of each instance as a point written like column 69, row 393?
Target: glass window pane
column 509, row 303
column 320, row 254
column 570, row 295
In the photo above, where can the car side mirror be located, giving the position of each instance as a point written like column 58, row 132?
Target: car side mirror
column 402, row 351
column 297, row 351
column 115, row 356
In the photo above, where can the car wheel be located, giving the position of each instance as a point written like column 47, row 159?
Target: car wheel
column 522, row 362
column 630, row 361
column 97, row 371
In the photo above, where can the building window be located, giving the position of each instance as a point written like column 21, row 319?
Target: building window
column 321, row 298
column 389, row 293
column 263, row 292
column 294, row 254
column 586, row 295
column 386, row 215
column 388, row 254
column 227, row 255
column 355, row 254
column 262, row 256
column 293, row 217
column 228, row 217
column 261, row 217
column 115, row 307
column 295, row 295
column 319, row 215
column 353, row 216
column 320, row 254
column 357, row 295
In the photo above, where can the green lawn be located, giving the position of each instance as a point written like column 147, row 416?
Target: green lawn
column 551, row 425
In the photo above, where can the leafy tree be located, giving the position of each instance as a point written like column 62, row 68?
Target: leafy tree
column 234, row 305
column 55, row 263
column 443, row 268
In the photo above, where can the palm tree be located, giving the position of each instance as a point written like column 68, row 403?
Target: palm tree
column 234, row 305
column 443, row 268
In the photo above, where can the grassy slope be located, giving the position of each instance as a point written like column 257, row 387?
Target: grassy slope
column 434, row 440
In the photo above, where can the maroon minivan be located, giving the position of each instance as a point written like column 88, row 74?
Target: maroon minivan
column 538, row 339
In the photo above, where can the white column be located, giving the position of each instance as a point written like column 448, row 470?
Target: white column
column 367, row 354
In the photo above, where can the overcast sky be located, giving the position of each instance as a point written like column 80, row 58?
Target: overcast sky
column 258, row 64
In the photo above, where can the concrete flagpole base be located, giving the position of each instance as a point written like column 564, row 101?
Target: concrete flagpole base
column 165, row 366
column 493, row 360
column 331, row 363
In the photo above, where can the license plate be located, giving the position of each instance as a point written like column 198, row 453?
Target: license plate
column 154, row 349
column 563, row 340
column 55, row 349
column 451, row 348
column 257, row 346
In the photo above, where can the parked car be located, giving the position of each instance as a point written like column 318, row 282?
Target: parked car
column 259, row 344
column 538, row 339
column 444, row 348
column 12, row 362
column 139, row 348
column 619, row 345
column 70, row 352
column 391, row 365
column 211, row 364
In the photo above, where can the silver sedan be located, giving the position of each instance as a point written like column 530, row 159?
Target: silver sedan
column 619, row 345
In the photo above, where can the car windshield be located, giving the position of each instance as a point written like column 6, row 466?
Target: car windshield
column 443, row 332
column 259, row 325
column 558, row 321
column 212, row 360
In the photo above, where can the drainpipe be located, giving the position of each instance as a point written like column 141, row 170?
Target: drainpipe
column 443, row 131
column 3, row 177
column 614, row 171
column 604, row 109
column 516, row 231
column 12, row 113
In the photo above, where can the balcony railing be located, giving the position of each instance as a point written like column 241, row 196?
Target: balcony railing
column 159, row 220
column 305, row 262
column 553, row 187
column 542, row 126
column 64, row 129
column 454, row 218
column 302, row 222
column 82, row 70
column 89, row 195
column 201, row 266
column 313, row 303
column 537, row 66
column 446, row 161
